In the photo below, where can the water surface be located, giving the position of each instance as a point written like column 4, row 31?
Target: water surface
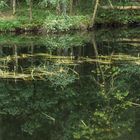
column 77, row 86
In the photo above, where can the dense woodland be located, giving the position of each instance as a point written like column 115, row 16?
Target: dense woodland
column 64, row 15
column 64, row 75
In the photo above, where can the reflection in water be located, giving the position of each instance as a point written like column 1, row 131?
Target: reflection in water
column 70, row 87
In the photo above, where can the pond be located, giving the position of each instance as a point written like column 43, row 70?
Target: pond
column 76, row 86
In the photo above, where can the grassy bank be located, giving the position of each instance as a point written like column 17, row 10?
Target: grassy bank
column 42, row 21
column 118, row 17
column 48, row 21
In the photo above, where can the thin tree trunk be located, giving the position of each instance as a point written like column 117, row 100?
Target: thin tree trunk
column 32, row 53
column 111, row 5
column 14, row 7
column 97, row 63
column 95, row 11
column 71, row 7
column 58, row 10
column 30, row 10
column 64, row 8
column 16, row 61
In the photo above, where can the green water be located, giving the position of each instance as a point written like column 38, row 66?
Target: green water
column 77, row 86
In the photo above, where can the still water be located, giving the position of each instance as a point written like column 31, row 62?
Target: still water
column 77, row 86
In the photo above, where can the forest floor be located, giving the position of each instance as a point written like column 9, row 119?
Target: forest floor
column 42, row 21
column 6, row 16
column 48, row 21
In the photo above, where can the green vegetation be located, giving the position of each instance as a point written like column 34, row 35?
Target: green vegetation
column 76, row 86
column 65, row 15
column 60, row 82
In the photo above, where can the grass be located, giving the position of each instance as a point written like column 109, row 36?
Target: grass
column 48, row 21
column 120, row 17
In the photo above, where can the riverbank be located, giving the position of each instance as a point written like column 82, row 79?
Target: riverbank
column 42, row 21
column 118, row 17
column 50, row 22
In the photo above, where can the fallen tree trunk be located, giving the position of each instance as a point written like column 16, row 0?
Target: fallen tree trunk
column 121, row 7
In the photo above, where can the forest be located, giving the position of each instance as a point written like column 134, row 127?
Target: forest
column 69, row 69
column 66, row 15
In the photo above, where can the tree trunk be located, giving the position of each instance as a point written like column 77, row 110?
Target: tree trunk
column 14, row 7
column 95, row 11
column 58, row 10
column 71, row 7
column 64, row 7
column 110, row 3
column 30, row 10
column 97, row 63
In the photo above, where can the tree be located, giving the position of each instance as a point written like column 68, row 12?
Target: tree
column 30, row 10
column 95, row 11
column 71, row 7
column 14, row 6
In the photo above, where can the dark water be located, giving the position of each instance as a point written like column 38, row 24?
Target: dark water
column 78, row 86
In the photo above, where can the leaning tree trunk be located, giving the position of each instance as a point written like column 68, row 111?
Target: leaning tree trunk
column 30, row 10
column 14, row 6
column 110, row 3
column 95, row 12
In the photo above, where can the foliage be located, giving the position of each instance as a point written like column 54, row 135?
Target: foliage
column 9, row 25
column 65, row 23
column 63, row 15
column 117, row 17
column 3, row 4
column 83, row 100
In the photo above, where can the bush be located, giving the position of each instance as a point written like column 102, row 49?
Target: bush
column 65, row 23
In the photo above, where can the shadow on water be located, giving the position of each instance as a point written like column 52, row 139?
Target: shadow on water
column 79, row 86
